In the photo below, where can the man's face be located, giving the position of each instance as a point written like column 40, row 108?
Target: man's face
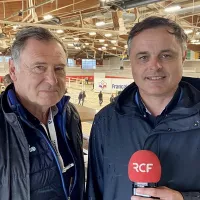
column 157, row 60
column 41, row 76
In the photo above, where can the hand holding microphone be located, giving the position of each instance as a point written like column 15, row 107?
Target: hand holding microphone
column 144, row 170
column 162, row 193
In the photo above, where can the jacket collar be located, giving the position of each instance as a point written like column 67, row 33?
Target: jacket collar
column 174, row 101
column 10, row 103
column 190, row 97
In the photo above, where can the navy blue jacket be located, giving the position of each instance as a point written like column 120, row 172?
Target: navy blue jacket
column 120, row 129
column 29, row 168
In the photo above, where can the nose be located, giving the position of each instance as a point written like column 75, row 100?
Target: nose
column 51, row 77
column 155, row 64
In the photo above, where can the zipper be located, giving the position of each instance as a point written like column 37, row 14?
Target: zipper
column 55, row 156
column 58, row 164
column 64, row 132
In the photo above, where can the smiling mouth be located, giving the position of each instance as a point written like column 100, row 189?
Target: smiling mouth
column 155, row 78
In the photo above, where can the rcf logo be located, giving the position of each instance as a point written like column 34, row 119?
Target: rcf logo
column 102, row 84
column 144, row 168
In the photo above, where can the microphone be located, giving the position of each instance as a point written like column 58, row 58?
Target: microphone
column 144, row 171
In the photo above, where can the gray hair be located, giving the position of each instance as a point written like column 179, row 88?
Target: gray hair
column 38, row 33
column 153, row 22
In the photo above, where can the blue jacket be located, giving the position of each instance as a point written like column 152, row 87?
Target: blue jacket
column 29, row 168
column 120, row 129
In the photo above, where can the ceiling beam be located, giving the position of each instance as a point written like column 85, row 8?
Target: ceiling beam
column 115, row 17
column 60, row 27
column 9, row 1
column 77, row 6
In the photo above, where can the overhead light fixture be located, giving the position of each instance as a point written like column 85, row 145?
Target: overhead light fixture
column 83, row 46
column 188, row 31
column 113, row 41
column 105, row 45
column 114, row 48
column 70, row 45
column 104, row 48
column 76, row 39
column 47, row 17
column 59, row 31
column 172, row 8
column 197, row 33
column 77, row 47
column 101, row 23
column 108, row 34
column 15, row 27
column 101, row 40
column 92, row 33
column 99, row 49
column 86, row 44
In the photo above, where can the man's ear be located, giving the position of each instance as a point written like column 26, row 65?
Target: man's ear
column 12, row 70
column 184, row 55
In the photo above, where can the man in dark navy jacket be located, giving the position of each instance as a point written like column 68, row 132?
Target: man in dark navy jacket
column 40, row 130
column 159, row 112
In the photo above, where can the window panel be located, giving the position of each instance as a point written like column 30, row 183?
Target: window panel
column 88, row 64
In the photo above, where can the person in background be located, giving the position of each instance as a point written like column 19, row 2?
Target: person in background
column 86, row 80
column 83, row 97
column 159, row 112
column 80, row 97
column 112, row 98
column 66, row 91
column 40, row 130
column 6, row 81
column 100, row 95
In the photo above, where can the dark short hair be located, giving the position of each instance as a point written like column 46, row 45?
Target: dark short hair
column 154, row 22
column 26, row 33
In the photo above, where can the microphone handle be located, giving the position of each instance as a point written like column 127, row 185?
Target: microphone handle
column 143, row 185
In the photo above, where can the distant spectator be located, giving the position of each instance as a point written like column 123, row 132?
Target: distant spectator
column 119, row 92
column 67, row 92
column 100, row 98
column 80, row 97
column 83, row 97
column 7, row 80
column 86, row 80
column 112, row 98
